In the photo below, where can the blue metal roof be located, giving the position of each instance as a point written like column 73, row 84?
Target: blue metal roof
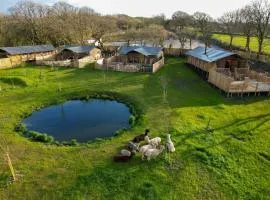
column 79, row 49
column 147, row 51
column 27, row 49
column 211, row 55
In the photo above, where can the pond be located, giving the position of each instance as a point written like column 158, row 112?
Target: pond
column 80, row 120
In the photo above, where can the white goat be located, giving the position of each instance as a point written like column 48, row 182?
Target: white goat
column 153, row 153
column 153, row 142
column 144, row 148
column 125, row 152
column 169, row 144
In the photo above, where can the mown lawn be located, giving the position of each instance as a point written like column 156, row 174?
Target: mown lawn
column 241, row 41
column 233, row 162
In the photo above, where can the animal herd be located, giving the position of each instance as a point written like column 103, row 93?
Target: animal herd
column 150, row 149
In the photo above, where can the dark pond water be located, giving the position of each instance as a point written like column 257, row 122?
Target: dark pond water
column 80, row 120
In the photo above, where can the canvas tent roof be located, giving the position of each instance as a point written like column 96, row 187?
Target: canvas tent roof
column 147, row 51
column 79, row 49
column 27, row 49
column 211, row 55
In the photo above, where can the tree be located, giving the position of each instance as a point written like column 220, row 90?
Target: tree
column 261, row 16
column 28, row 16
column 190, row 34
column 85, row 17
column 202, row 22
column 229, row 22
column 159, row 19
column 101, row 26
column 180, row 20
column 247, row 24
column 182, row 37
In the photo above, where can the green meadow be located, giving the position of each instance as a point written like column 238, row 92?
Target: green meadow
column 241, row 42
column 222, row 144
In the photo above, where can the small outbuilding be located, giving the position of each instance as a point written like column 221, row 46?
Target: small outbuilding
column 73, row 56
column 12, row 56
column 79, row 52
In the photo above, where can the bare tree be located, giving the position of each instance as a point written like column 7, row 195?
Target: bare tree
column 229, row 22
column 261, row 16
column 182, row 37
column 247, row 24
column 100, row 27
column 180, row 20
column 202, row 22
column 190, row 34
column 85, row 17
column 29, row 14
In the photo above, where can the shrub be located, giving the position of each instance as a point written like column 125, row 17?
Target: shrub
column 72, row 142
column 132, row 120
column 21, row 128
column 40, row 137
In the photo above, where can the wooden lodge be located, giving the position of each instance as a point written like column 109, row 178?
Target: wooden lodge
column 79, row 52
column 135, row 59
column 73, row 56
column 214, row 58
column 12, row 56
column 228, row 71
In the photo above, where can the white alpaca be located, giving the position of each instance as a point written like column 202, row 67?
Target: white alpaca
column 169, row 144
column 153, row 153
column 144, row 148
column 125, row 152
column 153, row 142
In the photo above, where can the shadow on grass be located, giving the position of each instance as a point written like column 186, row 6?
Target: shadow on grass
column 260, row 120
column 119, row 181
column 186, row 89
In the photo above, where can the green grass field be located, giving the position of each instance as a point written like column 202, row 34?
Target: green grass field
column 241, row 42
column 233, row 162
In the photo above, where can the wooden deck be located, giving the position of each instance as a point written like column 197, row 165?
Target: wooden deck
column 250, row 81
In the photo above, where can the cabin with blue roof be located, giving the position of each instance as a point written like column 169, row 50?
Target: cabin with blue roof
column 76, row 52
column 12, row 56
column 214, row 58
column 228, row 71
column 135, row 59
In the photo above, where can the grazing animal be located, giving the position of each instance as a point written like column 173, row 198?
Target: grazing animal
column 125, row 152
column 144, row 148
column 141, row 137
column 169, row 144
column 132, row 146
column 153, row 153
column 122, row 158
column 153, row 142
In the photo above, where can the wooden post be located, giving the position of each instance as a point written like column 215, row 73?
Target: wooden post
column 11, row 167
column 5, row 151
column 243, row 86
column 256, row 88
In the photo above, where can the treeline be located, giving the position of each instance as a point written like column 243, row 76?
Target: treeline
column 30, row 22
column 251, row 20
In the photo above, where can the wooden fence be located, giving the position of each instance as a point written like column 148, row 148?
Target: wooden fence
column 252, row 82
column 112, row 64
column 174, row 52
column 157, row 65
